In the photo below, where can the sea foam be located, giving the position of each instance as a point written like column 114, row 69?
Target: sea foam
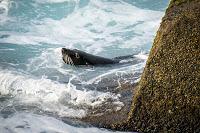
column 95, row 27
column 33, row 123
column 4, row 8
column 52, row 96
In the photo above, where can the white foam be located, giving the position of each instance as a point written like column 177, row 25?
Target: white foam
column 4, row 8
column 52, row 96
column 127, row 69
column 55, row 1
column 50, row 63
column 33, row 123
column 49, row 59
column 142, row 56
column 89, row 27
column 137, row 80
column 7, row 49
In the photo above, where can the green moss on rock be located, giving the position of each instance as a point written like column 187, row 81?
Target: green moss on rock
column 178, row 2
column 168, row 95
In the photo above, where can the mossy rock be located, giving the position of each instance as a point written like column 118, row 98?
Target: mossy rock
column 178, row 2
column 168, row 96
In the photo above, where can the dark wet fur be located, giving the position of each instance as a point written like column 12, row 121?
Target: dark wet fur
column 82, row 58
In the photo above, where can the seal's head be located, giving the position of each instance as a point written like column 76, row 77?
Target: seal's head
column 73, row 57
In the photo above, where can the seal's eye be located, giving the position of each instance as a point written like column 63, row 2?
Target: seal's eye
column 77, row 55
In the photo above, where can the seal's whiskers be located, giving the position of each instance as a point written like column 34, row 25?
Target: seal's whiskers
column 71, row 61
column 68, row 59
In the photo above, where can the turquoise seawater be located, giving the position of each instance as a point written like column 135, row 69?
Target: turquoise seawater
column 37, row 89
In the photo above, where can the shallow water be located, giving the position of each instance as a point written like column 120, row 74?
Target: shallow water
column 38, row 88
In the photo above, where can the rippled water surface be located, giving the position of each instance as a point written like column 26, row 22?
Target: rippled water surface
column 37, row 89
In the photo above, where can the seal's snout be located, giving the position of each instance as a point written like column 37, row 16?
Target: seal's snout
column 63, row 50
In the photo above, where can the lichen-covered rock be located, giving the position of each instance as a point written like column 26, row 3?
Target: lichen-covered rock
column 168, row 95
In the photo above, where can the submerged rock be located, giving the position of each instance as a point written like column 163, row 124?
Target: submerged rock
column 168, row 95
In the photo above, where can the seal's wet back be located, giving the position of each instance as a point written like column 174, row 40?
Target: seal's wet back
column 77, row 57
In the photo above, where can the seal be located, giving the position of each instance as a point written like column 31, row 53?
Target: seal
column 77, row 57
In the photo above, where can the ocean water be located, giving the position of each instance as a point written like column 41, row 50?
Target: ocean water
column 37, row 90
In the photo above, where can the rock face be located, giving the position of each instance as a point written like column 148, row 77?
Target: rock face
column 168, row 95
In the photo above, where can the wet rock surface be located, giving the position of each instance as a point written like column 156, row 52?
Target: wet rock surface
column 168, row 95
